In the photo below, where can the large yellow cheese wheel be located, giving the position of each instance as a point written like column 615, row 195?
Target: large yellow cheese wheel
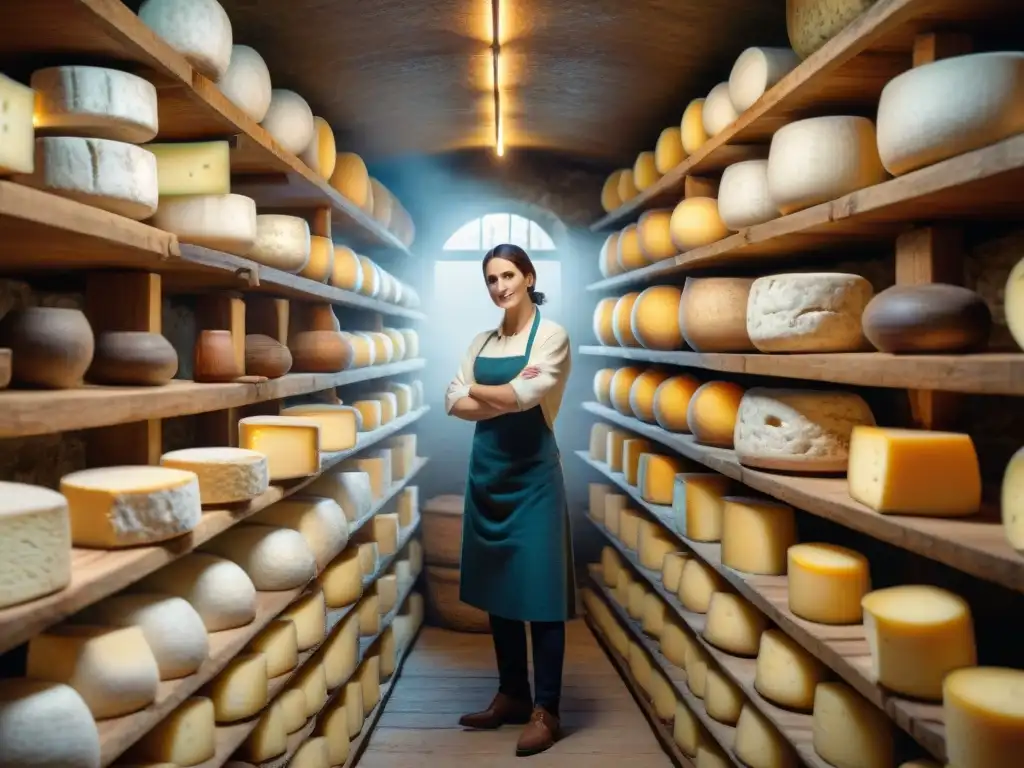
column 351, row 179
column 622, row 384
column 603, row 326
column 669, row 152
column 609, row 259
column 711, row 414
column 691, row 128
column 383, row 203
column 371, row 277
column 645, row 172
column 630, row 255
column 672, row 400
column 603, row 386
column 713, row 314
column 695, row 223
column 610, row 199
column 320, row 266
column 322, row 154
column 622, row 320
column 627, row 187
column 641, row 394
column 654, row 230
column 655, row 318
column 347, row 272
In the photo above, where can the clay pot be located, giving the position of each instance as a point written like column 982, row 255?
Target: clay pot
column 934, row 318
column 319, row 352
column 133, row 358
column 215, row 358
column 266, row 356
column 51, row 347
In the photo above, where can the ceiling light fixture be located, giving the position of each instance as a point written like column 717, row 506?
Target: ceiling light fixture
column 499, row 133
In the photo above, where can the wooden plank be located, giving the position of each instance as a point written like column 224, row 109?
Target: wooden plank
column 974, row 545
column 995, row 373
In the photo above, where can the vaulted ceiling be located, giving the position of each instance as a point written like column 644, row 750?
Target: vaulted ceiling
column 595, row 79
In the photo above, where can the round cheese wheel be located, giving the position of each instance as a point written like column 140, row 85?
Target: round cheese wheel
column 221, row 222
column 603, row 386
column 919, row 124
column 627, row 187
column 654, row 320
column 691, row 127
column 669, row 152
column 696, row 223
column 622, row 320
column 655, row 235
column 622, row 384
column 289, row 120
column 383, row 201
column 199, row 30
column 610, row 199
column 743, row 198
column 812, row 23
column 629, row 254
column 246, row 83
column 608, row 261
column 321, row 154
column 641, row 393
column 713, row 314
column 711, row 414
column 645, row 171
column 347, row 272
column 603, row 325
column 370, row 285
column 672, row 401
column 352, row 180
column 820, row 159
column 1014, row 303
column 718, row 113
column 933, row 318
column 30, row 710
column 755, row 71
column 983, row 716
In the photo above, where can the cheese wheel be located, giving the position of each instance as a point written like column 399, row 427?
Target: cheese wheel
column 698, row 584
column 622, row 320
column 225, row 475
column 655, row 233
column 614, row 503
column 199, row 30
column 320, row 265
column 279, row 642
column 734, row 625
column 718, row 112
column 351, row 489
column 608, row 260
column 655, row 477
column 627, row 188
column 282, row 242
column 370, row 285
column 309, row 614
column 240, row 690
column 17, row 155
column 352, row 180
column 289, row 120
column 321, row 154
column 669, row 152
column 675, row 641
column 621, row 387
column 712, row 411
column 930, row 317
column 743, row 198
column 29, row 710
column 672, row 570
column 812, row 23
column 687, row 732
column 827, row 583
column 819, row 159
column 849, row 731
column 36, row 535
column 274, row 558
column 723, row 700
column 603, row 386
column 795, row 430
column 630, row 256
column 698, row 504
column 338, row 424
column 221, row 222
column 293, row 707
column 759, row 744
column 638, row 592
column 1012, row 500
column 187, row 736
column 269, row 739
column 786, row 674
column 755, row 71
column 616, row 439
column 219, row 590
column 713, row 314
column 611, row 564
column 697, row 662
column 671, row 401
column 603, row 322
column 691, row 127
column 642, row 391
column 246, row 83
column 610, row 199
column 346, row 272
column 696, row 223
column 983, row 716
column 645, row 172
column 320, row 521
column 629, row 528
column 710, row 755
column 641, row 668
column 654, row 319
column 756, row 535
column 654, row 545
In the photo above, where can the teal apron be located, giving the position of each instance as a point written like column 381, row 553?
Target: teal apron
column 516, row 545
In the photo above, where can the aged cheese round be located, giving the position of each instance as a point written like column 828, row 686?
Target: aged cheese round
column 36, row 536
column 695, row 223
column 697, row 585
column 669, row 152
column 786, row 674
column 110, row 175
column 610, row 192
column 346, row 273
column 691, row 127
column 712, row 412
column 849, row 731
column 819, row 159
column 984, row 717
column 655, row 233
column 603, row 322
column 734, row 625
column 645, row 172
column 654, row 321
column 608, row 260
column 630, row 256
column 383, row 200
column 246, row 83
column 221, row 222
column 627, row 187
column 622, row 384
column 226, row 475
column 603, row 386
column 759, row 744
column 320, row 521
column 622, row 320
column 641, row 394
column 713, row 314
column 46, row 724
column 743, row 197
column 755, row 71
column 796, row 430
column 199, row 30
column 282, row 242
column 370, row 285
column 718, row 112
column 321, row 259
column 723, row 699
column 289, row 120
column 321, row 154
column 95, row 102
column 672, row 400
column 812, row 23
column 756, row 535
column 920, row 124
column 808, row 312
column 274, row 558
column 218, row 589
column 933, row 318
column 827, row 583
column 352, row 180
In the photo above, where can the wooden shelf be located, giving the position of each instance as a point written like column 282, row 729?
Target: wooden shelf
column 846, row 74
column 997, row 373
column 99, row 573
column 987, row 183
column 843, row 648
column 190, row 105
column 976, row 545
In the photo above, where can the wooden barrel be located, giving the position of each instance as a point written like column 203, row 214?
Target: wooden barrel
column 445, row 608
column 442, row 531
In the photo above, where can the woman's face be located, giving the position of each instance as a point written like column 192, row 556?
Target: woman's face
column 506, row 284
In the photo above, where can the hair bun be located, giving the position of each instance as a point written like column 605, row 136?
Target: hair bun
column 536, row 297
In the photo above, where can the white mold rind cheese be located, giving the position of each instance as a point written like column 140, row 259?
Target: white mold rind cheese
column 246, row 83
column 226, row 475
column 743, row 198
column 221, row 222
column 719, row 112
column 320, row 521
column 274, row 558
column 755, row 71
column 46, row 724
column 35, row 543
column 199, row 30
column 282, row 242
column 289, row 120
column 217, row 588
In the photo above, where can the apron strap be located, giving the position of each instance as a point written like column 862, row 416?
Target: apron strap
column 533, row 335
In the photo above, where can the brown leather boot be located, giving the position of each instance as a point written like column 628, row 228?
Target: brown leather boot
column 540, row 734
column 503, row 710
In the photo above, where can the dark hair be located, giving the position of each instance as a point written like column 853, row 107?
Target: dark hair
column 521, row 259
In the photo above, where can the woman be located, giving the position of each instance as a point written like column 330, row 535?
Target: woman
column 516, row 548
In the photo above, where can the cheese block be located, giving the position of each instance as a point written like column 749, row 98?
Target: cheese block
column 293, row 706
column 610, row 192
column 799, row 176
column 368, row 611
column 246, row 83
column 199, row 30
column 274, row 558
column 193, row 168
column 397, row 342
column 622, row 320
column 718, row 112
column 309, row 614
column 691, row 127
column 630, row 255
column 656, row 477
column 672, row 570
column 403, row 396
column 412, row 343
column 603, row 315
column 279, row 642
column 723, row 700
column 342, row 579
column 371, row 414
column 291, row 444
column 352, row 697
column 111, row 175
column 698, row 584
column 221, row 222
column 312, row 681
column 696, row 223
column 187, row 736
column 756, row 535
column 282, row 242
column 352, row 180
column 320, row 521
column 710, row 755
column 629, row 528
column 321, row 154
column 631, row 450
column 385, row 529
column 734, row 625
column 645, row 171
column 346, row 272
column 350, row 489
column 989, row 111
column 113, row 507
column 388, row 406
column 270, row 737
column 332, row 727
column 663, row 696
column 608, row 258
column 654, row 546
column 827, row 582
column 614, row 503
column 743, row 198
column 669, row 152
column 219, row 590
column 611, row 564
column 94, row 101
column 786, row 674
column 369, row 679
column 289, row 120
column 698, row 504
column 759, row 744
column 917, row 635
column 652, row 614
column 339, row 424
column 622, row 385
column 627, row 189
column 671, row 401
column 914, row 472
column 173, row 629
column 983, row 717
column 320, row 265
column 384, row 350
column 403, row 456
column 654, row 319
column 35, row 542
column 1012, row 501
column 697, row 662
column 675, row 641
column 362, row 350
column 414, row 554
column 603, row 386
column 812, row 312
column 796, row 430
column 713, row 314
column 850, row 731
column 225, row 475
column 655, row 235
column 377, row 465
column 687, row 732
column 712, row 413
column 641, row 394
column 28, row 711
column 17, row 153
column 340, row 653
column 755, row 71
column 387, row 592
column 812, row 23
column 928, row 317
column 408, row 506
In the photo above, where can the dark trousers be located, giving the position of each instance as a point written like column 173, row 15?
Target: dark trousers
column 548, row 654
